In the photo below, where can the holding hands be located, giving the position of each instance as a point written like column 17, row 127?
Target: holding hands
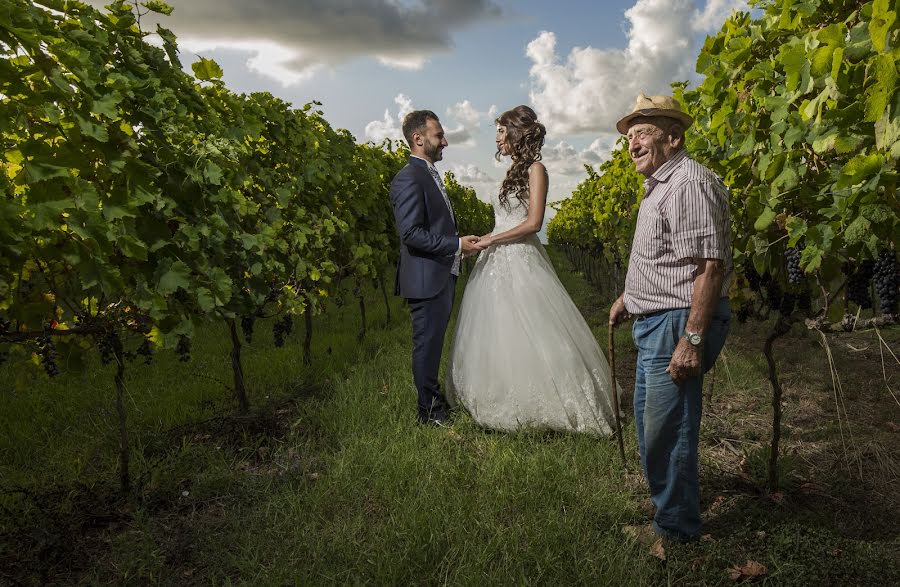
column 472, row 245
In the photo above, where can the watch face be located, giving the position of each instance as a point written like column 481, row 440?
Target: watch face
column 694, row 338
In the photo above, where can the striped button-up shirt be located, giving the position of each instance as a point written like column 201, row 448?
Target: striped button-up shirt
column 684, row 216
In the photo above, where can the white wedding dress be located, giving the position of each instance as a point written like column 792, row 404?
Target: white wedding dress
column 522, row 355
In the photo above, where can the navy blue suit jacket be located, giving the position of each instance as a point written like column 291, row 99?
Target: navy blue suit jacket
column 428, row 235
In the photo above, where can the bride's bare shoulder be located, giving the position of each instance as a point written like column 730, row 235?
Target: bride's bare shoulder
column 537, row 168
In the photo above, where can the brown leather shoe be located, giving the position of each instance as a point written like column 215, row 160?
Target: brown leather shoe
column 646, row 507
column 649, row 540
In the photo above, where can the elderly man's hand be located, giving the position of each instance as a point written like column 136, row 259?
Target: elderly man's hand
column 685, row 362
column 618, row 313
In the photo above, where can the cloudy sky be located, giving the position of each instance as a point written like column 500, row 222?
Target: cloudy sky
column 578, row 63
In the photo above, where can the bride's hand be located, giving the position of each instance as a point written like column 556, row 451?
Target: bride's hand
column 485, row 241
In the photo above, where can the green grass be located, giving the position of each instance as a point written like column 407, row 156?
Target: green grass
column 330, row 481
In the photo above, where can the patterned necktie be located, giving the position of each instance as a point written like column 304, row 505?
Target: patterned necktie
column 457, row 258
column 437, row 179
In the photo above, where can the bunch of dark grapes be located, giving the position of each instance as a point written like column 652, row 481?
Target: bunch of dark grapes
column 184, row 349
column 795, row 273
column 47, row 352
column 886, row 280
column 107, row 346
column 282, row 328
column 753, row 278
column 146, row 351
column 858, row 284
column 247, row 327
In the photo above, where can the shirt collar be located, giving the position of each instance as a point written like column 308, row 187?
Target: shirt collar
column 665, row 170
column 427, row 163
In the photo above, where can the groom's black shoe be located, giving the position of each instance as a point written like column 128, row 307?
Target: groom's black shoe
column 437, row 419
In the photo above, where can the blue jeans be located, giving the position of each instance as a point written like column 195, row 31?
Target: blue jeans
column 668, row 417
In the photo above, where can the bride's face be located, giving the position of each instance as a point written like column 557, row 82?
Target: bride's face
column 500, row 139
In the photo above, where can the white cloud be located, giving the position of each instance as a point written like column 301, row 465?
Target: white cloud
column 564, row 159
column 459, row 136
column 404, row 63
column 599, row 150
column 467, row 173
column 465, row 113
column 405, row 104
column 266, row 58
column 715, row 13
column 390, row 127
column 593, row 88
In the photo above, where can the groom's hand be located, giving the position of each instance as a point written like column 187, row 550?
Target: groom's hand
column 469, row 243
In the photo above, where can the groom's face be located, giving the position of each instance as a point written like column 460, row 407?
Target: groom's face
column 433, row 140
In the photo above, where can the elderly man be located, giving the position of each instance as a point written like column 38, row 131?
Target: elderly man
column 676, row 288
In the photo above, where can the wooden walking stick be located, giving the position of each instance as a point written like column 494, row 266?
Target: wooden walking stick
column 615, row 393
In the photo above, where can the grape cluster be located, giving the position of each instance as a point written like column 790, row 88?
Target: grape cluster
column 183, row 349
column 146, row 351
column 107, row 347
column 47, row 352
column 247, row 327
column 886, row 280
column 795, row 273
column 282, row 328
column 753, row 278
column 858, row 284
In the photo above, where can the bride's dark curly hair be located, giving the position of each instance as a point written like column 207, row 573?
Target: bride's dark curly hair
column 525, row 137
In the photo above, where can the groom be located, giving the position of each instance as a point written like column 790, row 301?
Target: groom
column 430, row 254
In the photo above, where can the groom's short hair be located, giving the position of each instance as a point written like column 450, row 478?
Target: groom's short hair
column 415, row 122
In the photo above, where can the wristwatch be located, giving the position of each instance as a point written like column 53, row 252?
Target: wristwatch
column 694, row 338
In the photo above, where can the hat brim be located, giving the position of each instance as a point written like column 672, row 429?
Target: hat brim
column 685, row 119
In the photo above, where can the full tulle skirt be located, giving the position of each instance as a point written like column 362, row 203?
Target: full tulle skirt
column 522, row 354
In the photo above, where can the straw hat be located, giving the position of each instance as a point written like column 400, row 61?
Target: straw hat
column 655, row 106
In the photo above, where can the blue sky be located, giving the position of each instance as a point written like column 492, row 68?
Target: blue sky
column 579, row 64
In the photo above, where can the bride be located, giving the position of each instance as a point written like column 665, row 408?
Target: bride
column 523, row 356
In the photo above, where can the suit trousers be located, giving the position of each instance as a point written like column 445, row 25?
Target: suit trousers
column 429, row 324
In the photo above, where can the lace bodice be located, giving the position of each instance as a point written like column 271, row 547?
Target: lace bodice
column 504, row 218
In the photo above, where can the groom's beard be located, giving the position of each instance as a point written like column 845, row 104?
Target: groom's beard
column 434, row 152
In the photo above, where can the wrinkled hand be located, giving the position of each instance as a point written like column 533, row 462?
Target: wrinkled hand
column 685, row 362
column 470, row 245
column 618, row 313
